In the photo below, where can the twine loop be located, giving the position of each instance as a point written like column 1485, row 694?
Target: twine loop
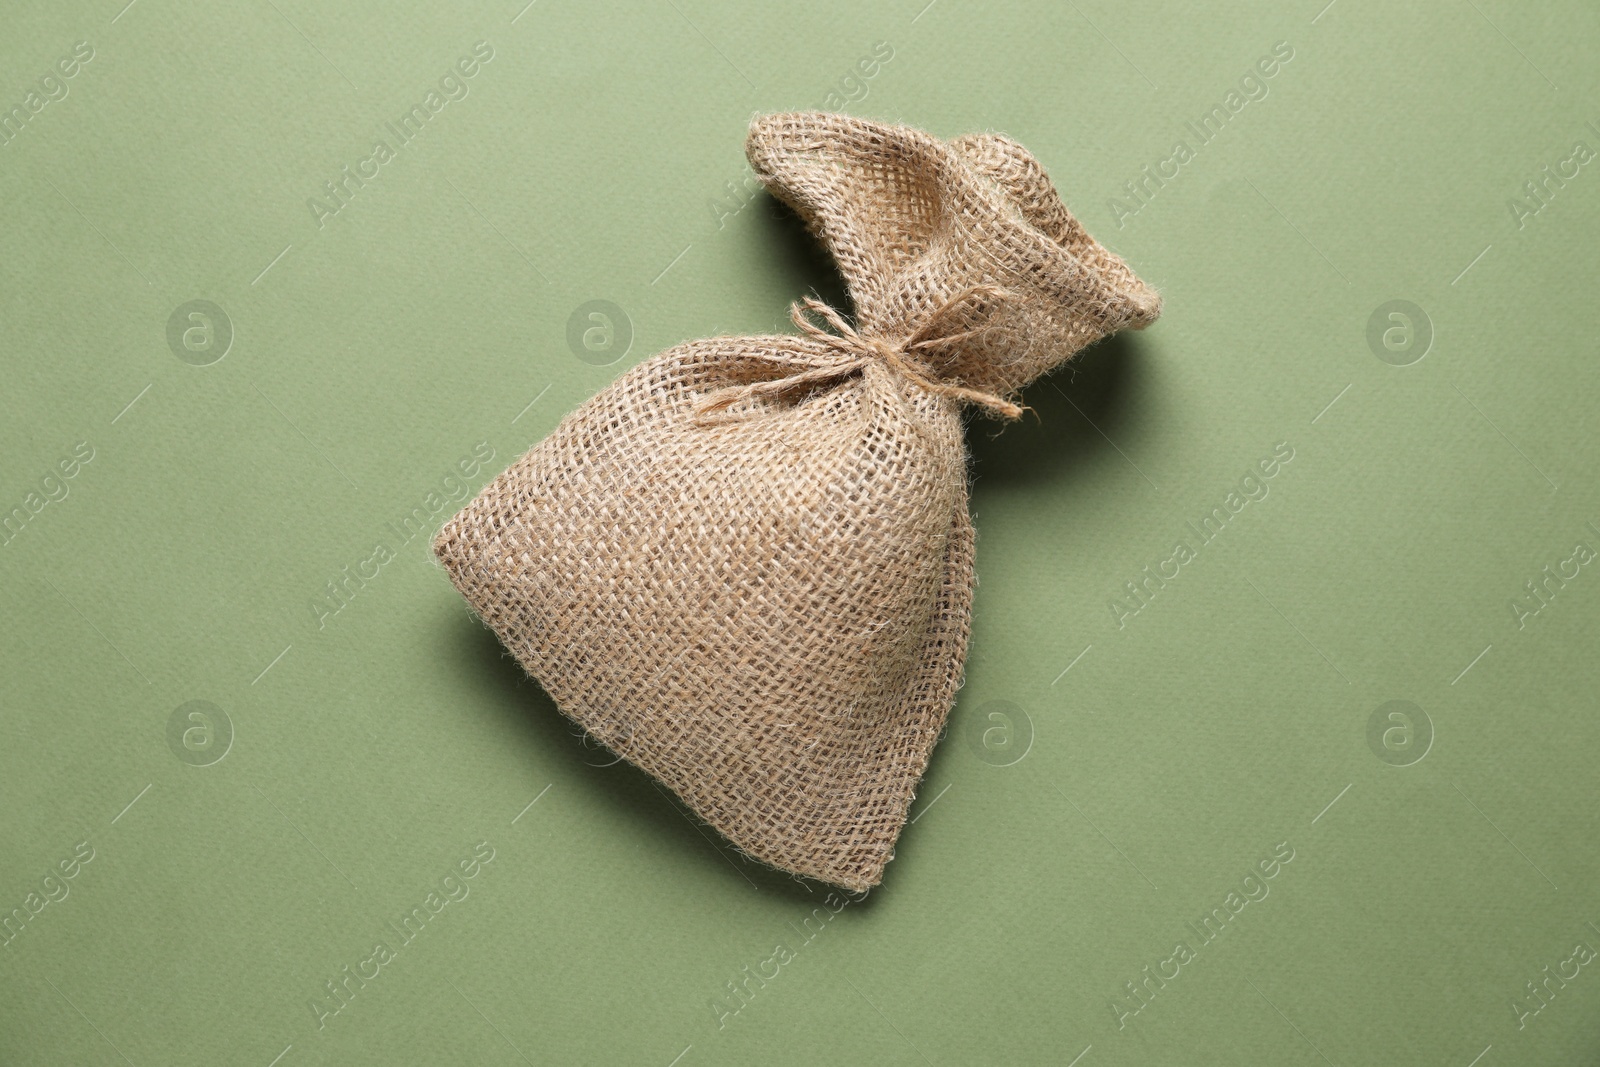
column 853, row 351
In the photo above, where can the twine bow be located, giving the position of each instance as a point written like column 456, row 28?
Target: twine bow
column 855, row 351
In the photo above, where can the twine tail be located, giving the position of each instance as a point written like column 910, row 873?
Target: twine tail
column 927, row 337
column 992, row 403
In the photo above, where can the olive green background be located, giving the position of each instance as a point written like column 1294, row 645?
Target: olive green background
column 1101, row 786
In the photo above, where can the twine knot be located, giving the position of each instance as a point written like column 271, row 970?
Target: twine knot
column 853, row 351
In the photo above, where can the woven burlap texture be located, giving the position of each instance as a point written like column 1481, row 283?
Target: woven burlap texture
column 746, row 566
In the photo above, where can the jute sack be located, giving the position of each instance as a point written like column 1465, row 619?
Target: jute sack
column 747, row 565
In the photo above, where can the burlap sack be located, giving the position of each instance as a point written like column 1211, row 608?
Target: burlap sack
column 747, row 565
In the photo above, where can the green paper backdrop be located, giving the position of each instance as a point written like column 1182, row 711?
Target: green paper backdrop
column 1278, row 742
